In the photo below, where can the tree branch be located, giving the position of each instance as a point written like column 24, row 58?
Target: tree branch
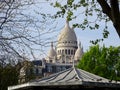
column 106, row 8
column 112, row 12
column 11, row 38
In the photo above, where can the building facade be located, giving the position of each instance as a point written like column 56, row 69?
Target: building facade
column 68, row 52
column 68, row 49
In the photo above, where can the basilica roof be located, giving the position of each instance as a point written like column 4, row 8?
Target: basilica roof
column 67, row 34
column 52, row 52
column 79, row 52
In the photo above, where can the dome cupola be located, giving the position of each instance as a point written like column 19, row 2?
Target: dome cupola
column 79, row 52
column 52, row 53
column 67, row 36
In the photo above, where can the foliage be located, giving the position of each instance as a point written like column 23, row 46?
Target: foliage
column 102, row 10
column 29, row 73
column 102, row 61
column 26, row 71
column 8, row 76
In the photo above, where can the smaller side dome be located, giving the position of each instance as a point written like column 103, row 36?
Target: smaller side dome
column 52, row 53
column 79, row 52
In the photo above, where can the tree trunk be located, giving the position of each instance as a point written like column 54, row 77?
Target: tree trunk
column 112, row 11
column 115, row 14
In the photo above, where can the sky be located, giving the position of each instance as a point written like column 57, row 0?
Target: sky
column 83, row 35
column 86, row 35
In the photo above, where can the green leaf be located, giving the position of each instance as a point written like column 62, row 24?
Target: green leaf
column 85, row 21
column 57, row 4
column 103, row 61
column 69, row 2
column 82, row 1
column 105, row 33
column 96, row 26
column 90, row 14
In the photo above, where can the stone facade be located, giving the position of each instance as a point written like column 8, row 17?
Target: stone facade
column 67, row 53
column 68, row 50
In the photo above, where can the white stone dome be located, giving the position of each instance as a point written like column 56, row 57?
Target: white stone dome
column 79, row 52
column 67, row 36
column 52, row 53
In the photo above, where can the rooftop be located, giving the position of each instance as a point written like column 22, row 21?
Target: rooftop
column 71, row 76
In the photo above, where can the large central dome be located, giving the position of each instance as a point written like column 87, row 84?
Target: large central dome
column 67, row 49
column 67, row 44
column 67, row 36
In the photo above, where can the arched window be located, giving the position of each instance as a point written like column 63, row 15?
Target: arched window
column 62, row 51
column 65, row 51
column 69, row 51
column 51, row 61
column 75, row 42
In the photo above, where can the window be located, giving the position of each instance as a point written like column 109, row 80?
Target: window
column 62, row 51
column 69, row 51
column 58, row 69
column 51, row 61
column 63, row 68
column 75, row 42
column 49, row 69
column 65, row 51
